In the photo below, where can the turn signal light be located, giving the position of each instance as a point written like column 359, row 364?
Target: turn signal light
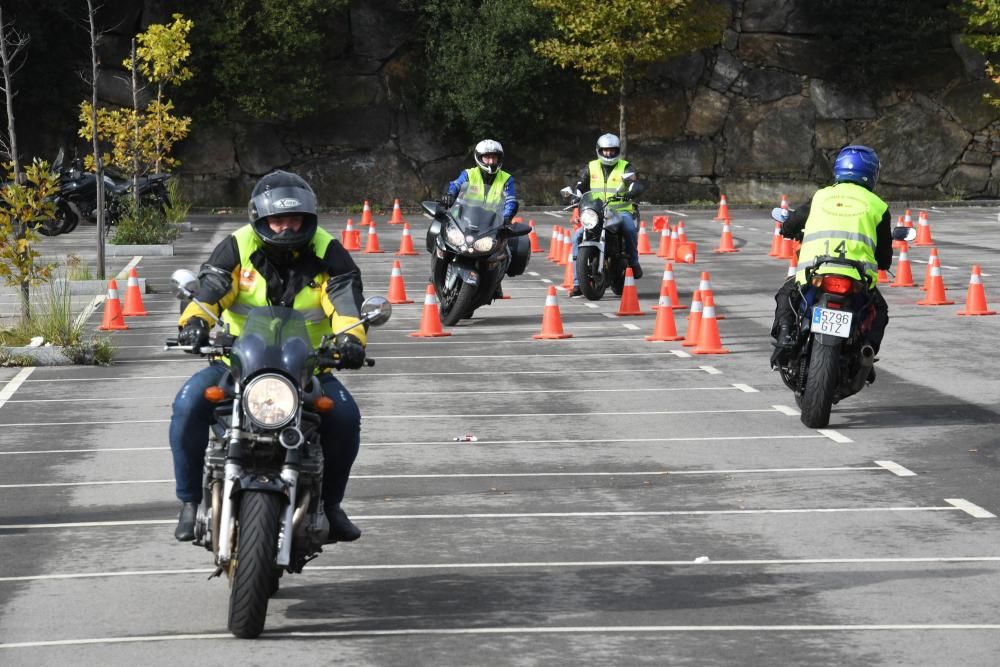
column 215, row 394
column 323, row 404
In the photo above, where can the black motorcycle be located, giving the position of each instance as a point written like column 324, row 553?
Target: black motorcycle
column 77, row 196
column 602, row 256
column 831, row 359
column 472, row 250
column 262, row 510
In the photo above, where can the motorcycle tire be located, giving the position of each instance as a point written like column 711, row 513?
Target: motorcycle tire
column 617, row 272
column 49, row 227
column 817, row 400
column 459, row 306
column 253, row 572
column 71, row 219
column 592, row 282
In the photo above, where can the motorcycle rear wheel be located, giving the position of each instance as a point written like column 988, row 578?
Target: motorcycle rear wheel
column 456, row 304
column 253, row 574
column 593, row 282
column 821, row 382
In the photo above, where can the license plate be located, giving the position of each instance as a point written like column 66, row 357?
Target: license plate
column 832, row 322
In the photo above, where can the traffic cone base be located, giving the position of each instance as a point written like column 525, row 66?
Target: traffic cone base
column 552, row 327
column 430, row 321
column 112, row 319
column 133, row 297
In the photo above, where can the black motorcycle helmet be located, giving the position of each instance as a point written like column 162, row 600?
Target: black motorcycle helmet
column 283, row 193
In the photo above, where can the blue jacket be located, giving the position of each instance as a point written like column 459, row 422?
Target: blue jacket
column 510, row 204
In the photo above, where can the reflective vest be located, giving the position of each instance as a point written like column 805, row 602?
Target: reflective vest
column 476, row 193
column 602, row 190
column 842, row 223
column 252, row 291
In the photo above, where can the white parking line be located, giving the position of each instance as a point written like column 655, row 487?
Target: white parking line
column 316, row 569
column 786, row 410
column 631, row 327
column 970, row 508
column 834, row 435
column 746, row 388
column 14, row 383
column 528, row 415
column 896, row 469
column 953, row 507
column 522, row 630
column 711, row 370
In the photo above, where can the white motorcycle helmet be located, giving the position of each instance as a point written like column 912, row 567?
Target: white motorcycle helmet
column 606, row 141
column 489, row 147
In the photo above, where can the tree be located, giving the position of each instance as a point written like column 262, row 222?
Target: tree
column 609, row 41
column 982, row 18
column 493, row 84
column 21, row 205
column 12, row 43
column 92, row 116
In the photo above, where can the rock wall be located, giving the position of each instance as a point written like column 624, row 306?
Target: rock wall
column 753, row 118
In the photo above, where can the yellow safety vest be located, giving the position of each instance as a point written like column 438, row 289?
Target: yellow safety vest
column 602, row 190
column 476, row 192
column 842, row 222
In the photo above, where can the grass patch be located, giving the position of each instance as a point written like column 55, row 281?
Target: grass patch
column 77, row 269
column 177, row 212
column 146, row 226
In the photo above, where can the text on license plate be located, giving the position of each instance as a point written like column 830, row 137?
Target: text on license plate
column 832, row 322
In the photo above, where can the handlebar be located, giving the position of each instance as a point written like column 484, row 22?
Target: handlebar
column 327, row 358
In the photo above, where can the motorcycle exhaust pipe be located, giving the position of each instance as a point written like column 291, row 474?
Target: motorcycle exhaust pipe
column 867, row 361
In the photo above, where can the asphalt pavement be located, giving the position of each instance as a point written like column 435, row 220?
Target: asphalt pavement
column 622, row 502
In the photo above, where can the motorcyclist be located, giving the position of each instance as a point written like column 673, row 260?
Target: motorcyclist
column 280, row 258
column 844, row 219
column 605, row 177
column 486, row 183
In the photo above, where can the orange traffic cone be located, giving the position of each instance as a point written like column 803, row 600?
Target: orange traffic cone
column 397, row 214
column 883, row 276
column 556, row 248
column 776, row 242
column 708, row 332
column 660, row 221
column 693, row 321
column 784, row 202
column 575, row 217
column 664, row 248
column 113, row 320
column 397, row 289
column 643, row 243
column 668, row 287
column 372, row 246
column 726, row 242
column 723, row 213
column 551, row 319
column 686, row 252
column 923, row 230
column 570, row 266
column 904, row 276
column 406, row 242
column 935, row 290
column 349, row 238
column 567, row 251
column 705, row 287
column 907, row 219
column 787, row 248
column 133, row 297
column 533, row 237
column 665, row 328
column 630, row 297
column 927, row 274
column 430, row 321
column 975, row 300
column 681, row 234
column 366, row 215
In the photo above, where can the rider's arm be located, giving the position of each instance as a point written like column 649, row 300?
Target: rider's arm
column 583, row 185
column 792, row 227
column 510, row 204
column 456, row 185
column 218, row 282
column 343, row 292
column 883, row 242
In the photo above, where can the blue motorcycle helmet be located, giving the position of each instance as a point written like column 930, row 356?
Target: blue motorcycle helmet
column 856, row 164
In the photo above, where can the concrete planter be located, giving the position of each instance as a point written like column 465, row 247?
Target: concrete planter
column 163, row 250
column 52, row 355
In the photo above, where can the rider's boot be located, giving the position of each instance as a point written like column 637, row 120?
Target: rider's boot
column 341, row 527
column 185, row 522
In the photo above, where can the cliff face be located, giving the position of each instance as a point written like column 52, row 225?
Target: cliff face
column 754, row 118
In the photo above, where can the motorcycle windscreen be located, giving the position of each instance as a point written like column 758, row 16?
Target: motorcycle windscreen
column 274, row 337
column 474, row 216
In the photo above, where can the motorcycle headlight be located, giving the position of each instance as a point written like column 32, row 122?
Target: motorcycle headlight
column 454, row 235
column 589, row 218
column 270, row 401
column 484, row 244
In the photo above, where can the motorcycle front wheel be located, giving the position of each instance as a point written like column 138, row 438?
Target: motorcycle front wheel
column 617, row 272
column 253, row 574
column 456, row 303
column 593, row 281
column 821, row 382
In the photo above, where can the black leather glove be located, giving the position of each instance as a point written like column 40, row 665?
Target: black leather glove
column 352, row 352
column 194, row 333
column 447, row 200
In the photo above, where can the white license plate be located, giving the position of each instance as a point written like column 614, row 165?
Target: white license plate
column 832, row 322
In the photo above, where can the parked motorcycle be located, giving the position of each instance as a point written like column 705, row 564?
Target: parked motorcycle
column 602, row 256
column 77, row 196
column 471, row 250
column 262, row 512
column 831, row 359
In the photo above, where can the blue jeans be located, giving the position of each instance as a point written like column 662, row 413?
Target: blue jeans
column 631, row 237
column 340, row 433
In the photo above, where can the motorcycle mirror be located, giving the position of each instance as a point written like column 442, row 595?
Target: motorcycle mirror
column 566, row 192
column 904, row 234
column 377, row 310
column 518, row 229
column 183, row 283
column 433, row 208
column 635, row 188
